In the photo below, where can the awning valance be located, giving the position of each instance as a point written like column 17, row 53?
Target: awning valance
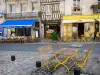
column 98, row 20
column 18, row 23
column 78, row 21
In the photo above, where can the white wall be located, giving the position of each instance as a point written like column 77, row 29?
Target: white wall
column 2, row 9
column 86, row 4
column 68, row 7
column 62, row 7
column 2, row 4
column 28, row 6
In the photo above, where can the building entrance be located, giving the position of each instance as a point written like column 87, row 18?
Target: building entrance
column 80, row 29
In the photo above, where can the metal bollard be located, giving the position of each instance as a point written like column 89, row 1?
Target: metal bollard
column 76, row 71
column 13, row 58
column 38, row 64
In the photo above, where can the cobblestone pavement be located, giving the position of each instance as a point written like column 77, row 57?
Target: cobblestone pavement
column 25, row 64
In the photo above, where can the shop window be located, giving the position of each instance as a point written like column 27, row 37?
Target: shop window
column 75, row 28
column 87, row 27
column 12, row 31
column 12, row 8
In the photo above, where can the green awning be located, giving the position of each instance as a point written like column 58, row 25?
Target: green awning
column 49, row 23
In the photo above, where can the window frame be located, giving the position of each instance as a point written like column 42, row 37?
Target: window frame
column 11, row 8
column 98, row 1
column 77, row 5
column 22, row 7
column 32, row 4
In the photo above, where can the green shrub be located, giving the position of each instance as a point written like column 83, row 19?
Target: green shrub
column 54, row 36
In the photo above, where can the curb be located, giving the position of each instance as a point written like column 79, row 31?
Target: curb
column 66, row 43
column 56, row 43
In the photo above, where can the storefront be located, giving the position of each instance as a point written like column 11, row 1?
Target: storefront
column 51, row 26
column 18, row 28
column 76, row 26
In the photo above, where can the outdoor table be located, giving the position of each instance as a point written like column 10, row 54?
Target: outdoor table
column 68, row 53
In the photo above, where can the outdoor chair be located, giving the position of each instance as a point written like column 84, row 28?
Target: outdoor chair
column 60, row 39
column 98, row 35
column 4, row 40
column 78, row 39
column 12, row 39
column 64, row 38
column 46, row 55
column 68, row 56
column 69, row 38
column 88, row 37
column 80, row 61
column 83, row 39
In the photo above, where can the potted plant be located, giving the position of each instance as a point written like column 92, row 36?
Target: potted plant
column 54, row 36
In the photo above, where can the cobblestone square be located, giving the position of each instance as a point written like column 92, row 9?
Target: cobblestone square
column 25, row 64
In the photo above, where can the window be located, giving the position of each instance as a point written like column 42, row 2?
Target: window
column 42, row 8
column 23, row 7
column 48, row 10
column 98, row 1
column 98, row 8
column 32, row 6
column 87, row 27
column 53, row 8
column 43, row 16
column 76, row 5
column 57, row 7
column 12, row 8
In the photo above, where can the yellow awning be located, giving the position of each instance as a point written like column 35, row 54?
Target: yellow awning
column 81, row 17
column 78, row 21
column 98, row 20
